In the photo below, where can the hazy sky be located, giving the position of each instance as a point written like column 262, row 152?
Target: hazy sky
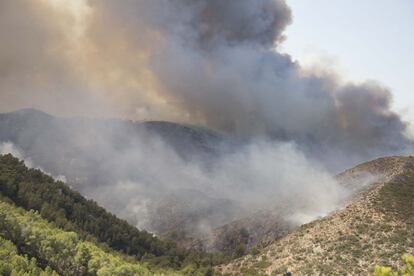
column 369, row 39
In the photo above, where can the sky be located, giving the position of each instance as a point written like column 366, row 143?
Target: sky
column 362, row 40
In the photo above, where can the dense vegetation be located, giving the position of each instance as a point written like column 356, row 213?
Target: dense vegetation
column 11, row 263
column 54, row 248
column 57, row 203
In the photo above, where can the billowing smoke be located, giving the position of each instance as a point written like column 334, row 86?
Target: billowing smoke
column 211, row 63
column 145, row 179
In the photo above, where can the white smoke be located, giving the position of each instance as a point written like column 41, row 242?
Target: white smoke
column 10, row 148
column 264, row 175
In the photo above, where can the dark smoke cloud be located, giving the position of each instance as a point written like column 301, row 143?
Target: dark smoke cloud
column 213, row 63
column 212, row 23
column 216, row 61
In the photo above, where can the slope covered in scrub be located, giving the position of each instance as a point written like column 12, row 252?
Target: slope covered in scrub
column 54, row 201
column 65, row 252
column 376, row 228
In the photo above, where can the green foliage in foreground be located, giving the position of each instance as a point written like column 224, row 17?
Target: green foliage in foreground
column 63, row 251
column 407, row 270
column 57, row 203
column 11, row 263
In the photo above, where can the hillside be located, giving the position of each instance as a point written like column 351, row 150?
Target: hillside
column 260, row 228
column 68, row 210
column 238, row 237
column 26, row 235
column 376, row 227
column 122, row 164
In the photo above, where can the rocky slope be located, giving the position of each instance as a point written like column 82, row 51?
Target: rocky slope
column 238, row 237
column 263, row 227
column 376, row 227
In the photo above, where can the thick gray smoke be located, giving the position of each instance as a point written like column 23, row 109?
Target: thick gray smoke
column 143, row 178
column 211, row 63
column 217, row 61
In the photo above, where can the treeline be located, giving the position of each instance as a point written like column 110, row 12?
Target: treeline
column 56, row 202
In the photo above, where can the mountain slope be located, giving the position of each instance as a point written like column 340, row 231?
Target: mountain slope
column 56, row 202
column 125, row 166
column 63, row 251
column 238, row 237
column 377, row 227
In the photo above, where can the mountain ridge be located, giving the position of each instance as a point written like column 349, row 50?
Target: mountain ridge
column 374, row 228
column 67, row 210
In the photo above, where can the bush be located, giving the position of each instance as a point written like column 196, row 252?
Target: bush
column 407, row 270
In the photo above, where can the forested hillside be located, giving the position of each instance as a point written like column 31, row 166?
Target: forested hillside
column 68, row 210
column 51, row 248
column 48, row 229
column 99, row 157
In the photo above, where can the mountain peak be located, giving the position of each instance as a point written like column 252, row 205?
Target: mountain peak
column 29, row 112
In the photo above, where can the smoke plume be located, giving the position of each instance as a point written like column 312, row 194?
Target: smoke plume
column 210, row 63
